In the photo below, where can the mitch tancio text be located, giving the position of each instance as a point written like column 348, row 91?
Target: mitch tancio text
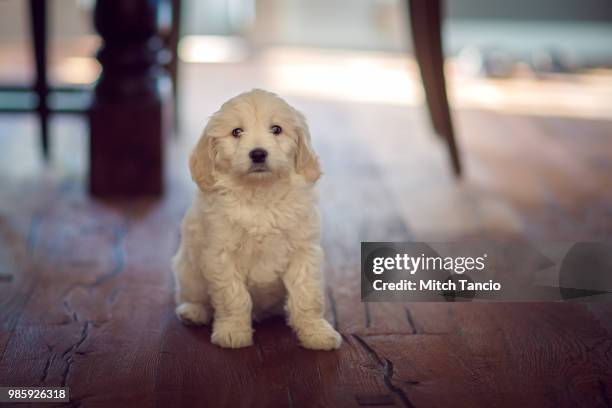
column 437, row 285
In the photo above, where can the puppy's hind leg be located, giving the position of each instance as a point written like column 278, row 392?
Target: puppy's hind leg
column 191, row 292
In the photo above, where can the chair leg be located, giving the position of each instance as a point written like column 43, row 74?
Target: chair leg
column 426, row 25
column 172, row 44
column 38, row 10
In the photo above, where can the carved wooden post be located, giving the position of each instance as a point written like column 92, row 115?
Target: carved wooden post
column 131, row 111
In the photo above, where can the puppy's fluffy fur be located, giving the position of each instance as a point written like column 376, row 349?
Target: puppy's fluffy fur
column 250, row 241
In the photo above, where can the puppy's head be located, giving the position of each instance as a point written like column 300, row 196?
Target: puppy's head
column 255, row 137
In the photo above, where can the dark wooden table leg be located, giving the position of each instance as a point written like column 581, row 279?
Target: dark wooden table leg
column 173, row 40
column 38, row 13
column 132, row 108
column 426, row 25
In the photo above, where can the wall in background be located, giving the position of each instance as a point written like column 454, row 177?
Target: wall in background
column 555, row 10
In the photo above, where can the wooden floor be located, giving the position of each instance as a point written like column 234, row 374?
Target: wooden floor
column 86, row 289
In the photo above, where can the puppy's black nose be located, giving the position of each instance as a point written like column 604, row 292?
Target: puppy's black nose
column 258, row 155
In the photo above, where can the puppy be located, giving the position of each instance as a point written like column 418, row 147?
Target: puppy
column 250, row 240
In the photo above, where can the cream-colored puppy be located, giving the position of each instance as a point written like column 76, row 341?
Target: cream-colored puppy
column 250, row 241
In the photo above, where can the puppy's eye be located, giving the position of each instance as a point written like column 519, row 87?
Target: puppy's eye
column 276, row 130
column 237, row 132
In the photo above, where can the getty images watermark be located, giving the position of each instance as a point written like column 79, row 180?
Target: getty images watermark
column 419, row 271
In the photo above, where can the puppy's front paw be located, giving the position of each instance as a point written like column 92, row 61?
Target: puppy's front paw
column 194, row 314
column 319, row 335
column 232, row 335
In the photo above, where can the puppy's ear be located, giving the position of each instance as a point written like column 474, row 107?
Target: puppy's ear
column 306, row 161
column 202, row 163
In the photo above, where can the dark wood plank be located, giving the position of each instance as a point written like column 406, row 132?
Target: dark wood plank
column 93, row 320
column 560, row 359
column 20, row 233
column 195, row 372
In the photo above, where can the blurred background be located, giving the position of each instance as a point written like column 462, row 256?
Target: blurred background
column 529, row 83
column 345, row 39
